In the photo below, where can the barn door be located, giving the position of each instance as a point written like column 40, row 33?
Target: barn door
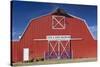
column 25, row 54
column 59, row 46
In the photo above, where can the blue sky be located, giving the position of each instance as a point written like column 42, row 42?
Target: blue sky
column 23, row 12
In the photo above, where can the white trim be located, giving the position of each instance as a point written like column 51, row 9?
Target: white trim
column 75, row 17
column 76, row 38
column 58, row 40
column 59, row 50
column 54, row 17
column 53, row 48
column 30, row 23
column 64, row 48
column 84, row 21
column 35, row 19
column 59, row 28
column 58, row 37
column 89, row 30
column 25, row 54
column 60, row 44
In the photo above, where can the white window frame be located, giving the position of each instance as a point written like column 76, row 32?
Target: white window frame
column 54, row 17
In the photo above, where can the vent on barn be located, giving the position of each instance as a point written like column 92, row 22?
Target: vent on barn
column 58, row 19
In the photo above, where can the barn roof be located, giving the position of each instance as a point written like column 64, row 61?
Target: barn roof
column 57, row 11
column 60, row 12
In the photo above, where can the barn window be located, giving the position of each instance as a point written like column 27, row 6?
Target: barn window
column 58, row 22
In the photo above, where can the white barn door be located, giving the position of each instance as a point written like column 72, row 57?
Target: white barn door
column 25, row 54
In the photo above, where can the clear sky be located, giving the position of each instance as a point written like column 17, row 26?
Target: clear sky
column 23, row 12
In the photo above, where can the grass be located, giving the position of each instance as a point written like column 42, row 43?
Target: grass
column 55, row 61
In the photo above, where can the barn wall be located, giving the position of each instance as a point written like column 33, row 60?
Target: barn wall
column 41, row 27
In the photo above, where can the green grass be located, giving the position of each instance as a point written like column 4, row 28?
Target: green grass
column 55, row 61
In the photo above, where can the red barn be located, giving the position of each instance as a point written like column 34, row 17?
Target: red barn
column 55, row 35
